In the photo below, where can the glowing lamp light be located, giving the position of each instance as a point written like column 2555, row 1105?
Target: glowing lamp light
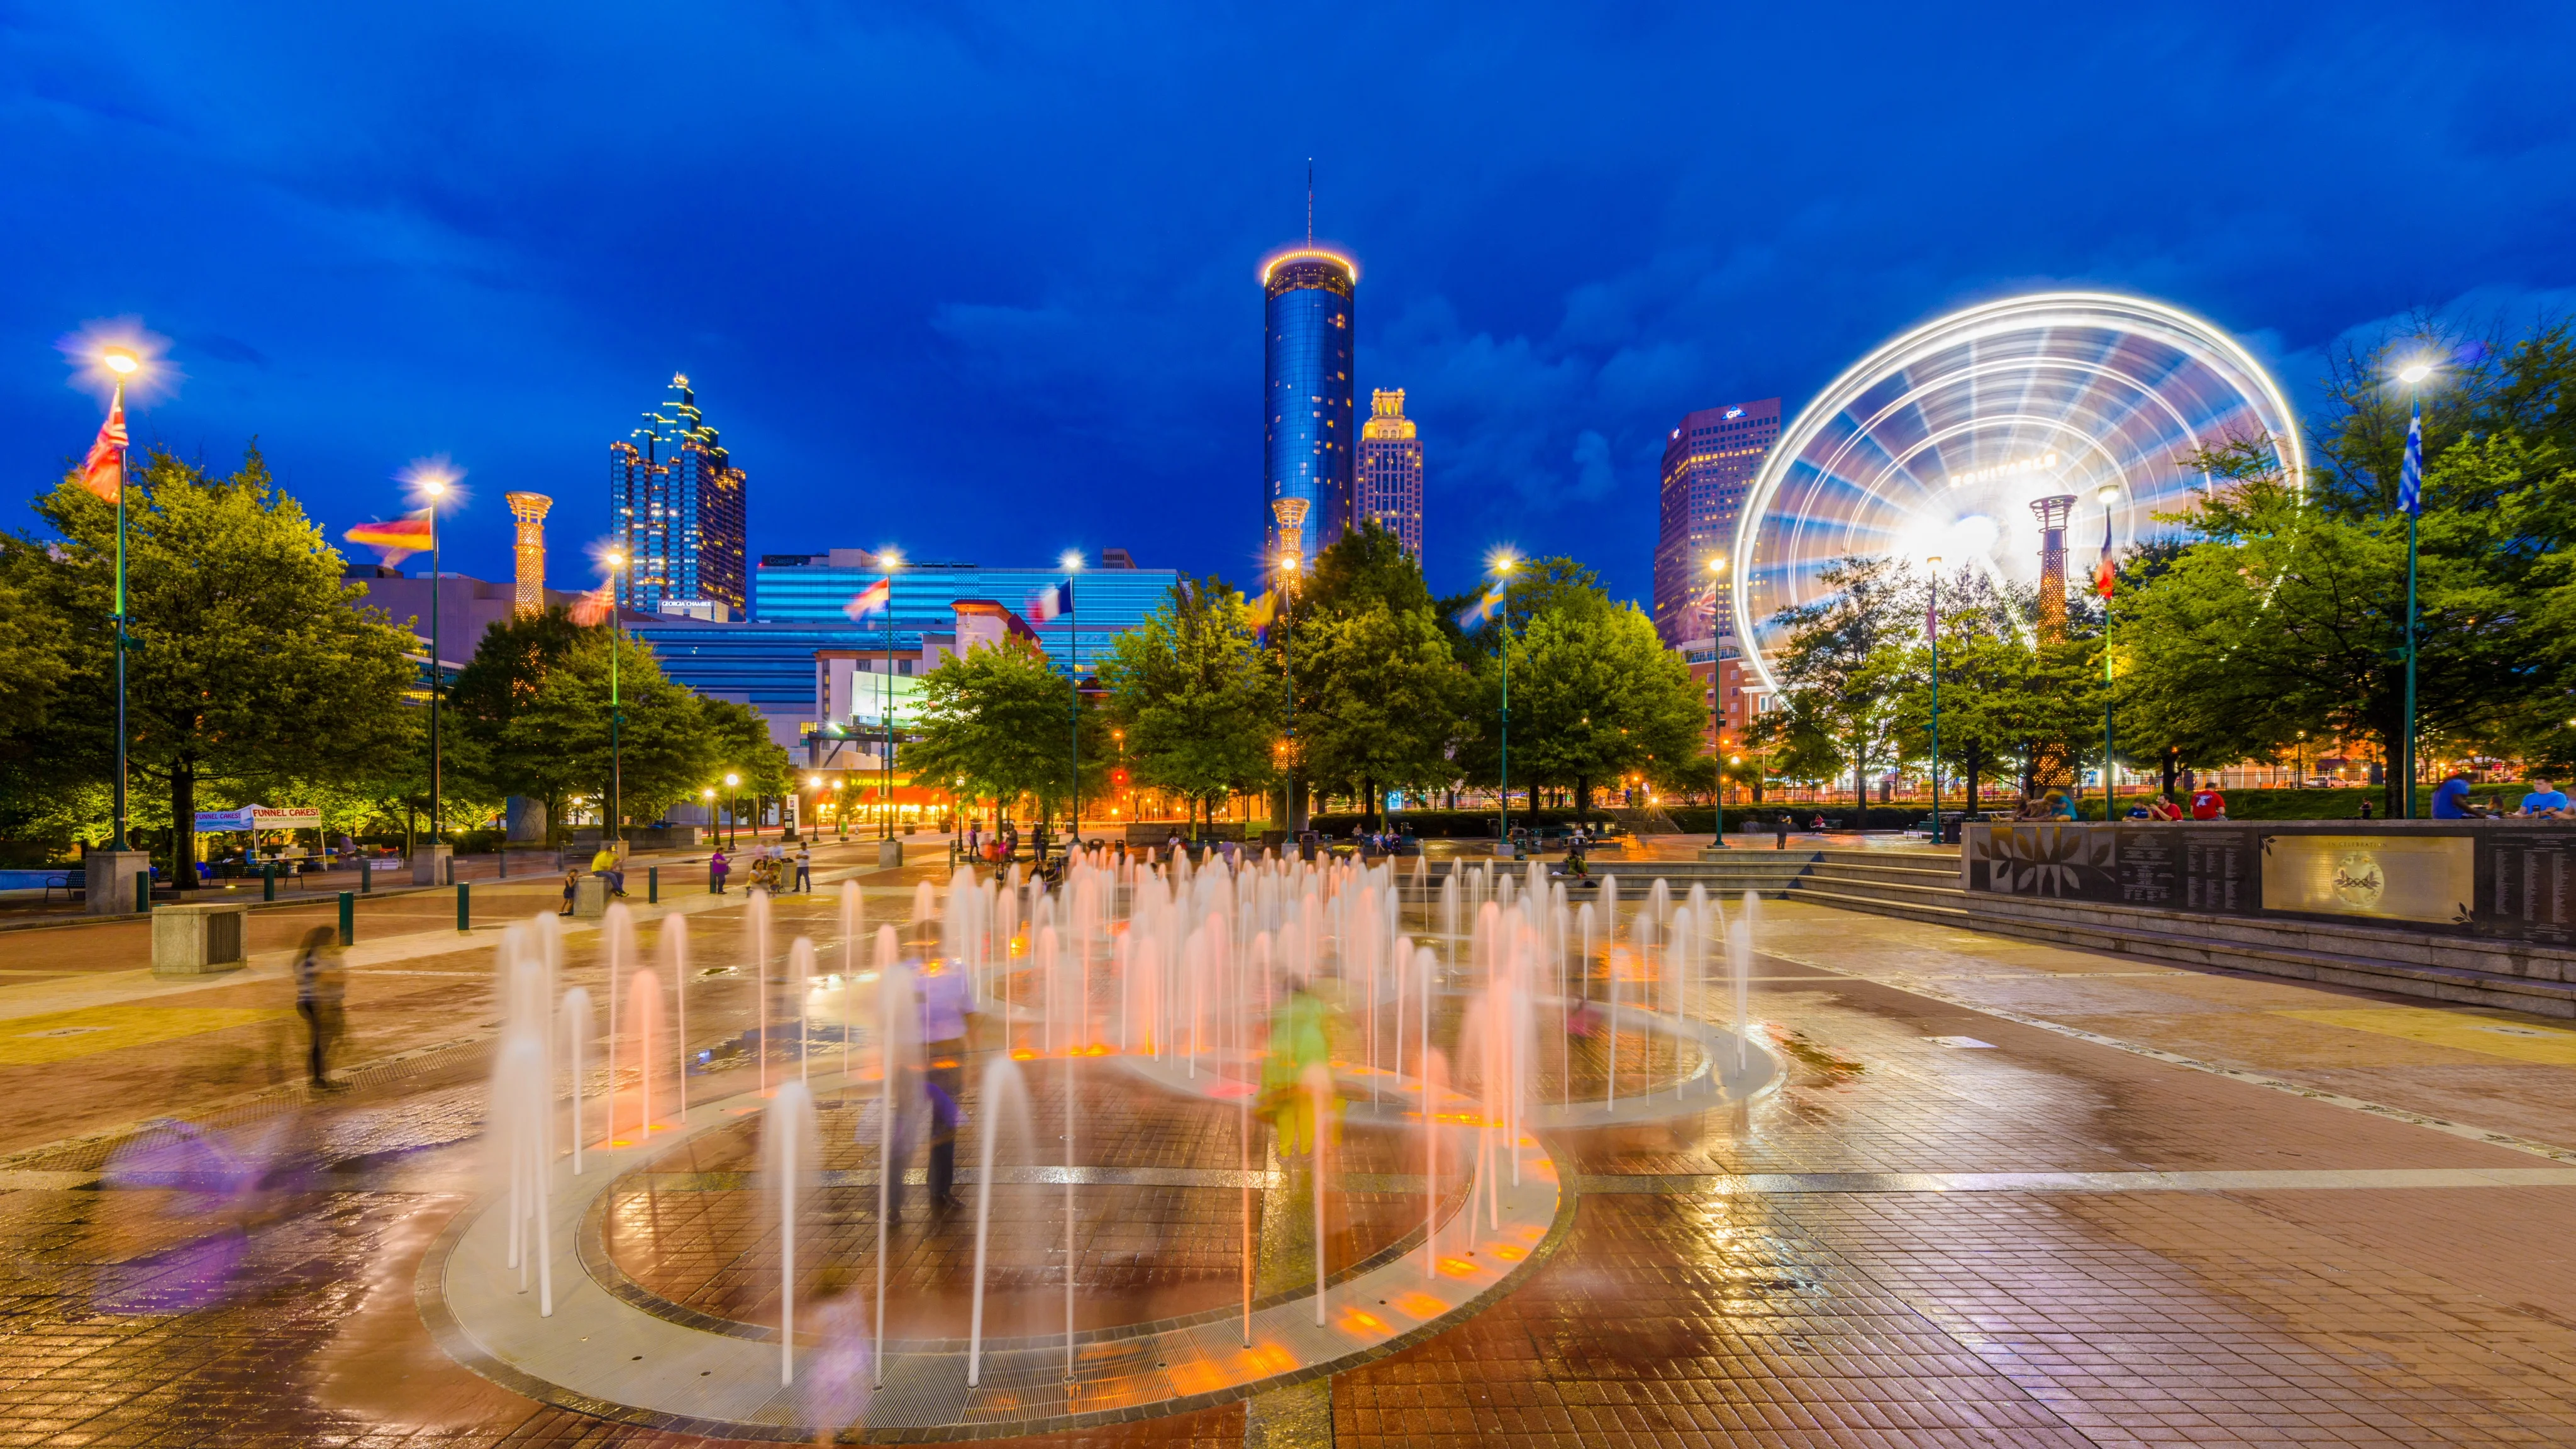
column 1072, row 561
column 732, row 780
column 890, row 558
column 2109, row 493
column 119, row 361
column 2412, row 373
column 1717, row 565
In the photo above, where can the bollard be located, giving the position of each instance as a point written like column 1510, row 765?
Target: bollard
column 268, row 881
column 366, row 873
column 652, row 885
column 348, row 918
column 143, row 890
column 503, row 855
column 464, row 906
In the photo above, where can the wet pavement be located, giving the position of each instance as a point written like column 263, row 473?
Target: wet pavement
column 2008, row 1194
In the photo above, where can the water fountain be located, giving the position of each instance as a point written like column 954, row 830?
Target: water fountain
column 787, row 1147
column 1003, row 1089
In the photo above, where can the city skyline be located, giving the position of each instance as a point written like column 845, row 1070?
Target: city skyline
column 1555, row 281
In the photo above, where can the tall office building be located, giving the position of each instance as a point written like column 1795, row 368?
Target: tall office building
column 676, row 507
column 1390, row 471
column 1709, row 463
column 1307, row 441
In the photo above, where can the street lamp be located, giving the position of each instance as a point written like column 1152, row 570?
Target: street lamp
column 1072, row 562
column 124, row 365
column 1290, row 513
column 433, row 485
column 1504, row 563
column 2410, row 500
column 889, row 560
column 733, row 814
column 1716, row 706
column 1932, row 627
column 616, row 708
column 2107, row 495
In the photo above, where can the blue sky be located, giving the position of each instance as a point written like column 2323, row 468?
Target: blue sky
column 981, row 280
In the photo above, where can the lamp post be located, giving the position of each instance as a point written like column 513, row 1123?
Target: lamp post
column 709, row 795
column 2107, row 495
column 2410, row 498
column 616, row 707
column 124, row 364
column 733, row 813
column 1504, row 563
column 889, row 560
column 1716, row 706
column 1073, row 723
column 1291, row 516
column 433, row 486
column 1932, row 628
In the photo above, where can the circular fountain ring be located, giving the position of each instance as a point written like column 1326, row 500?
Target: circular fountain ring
column 610, row 1358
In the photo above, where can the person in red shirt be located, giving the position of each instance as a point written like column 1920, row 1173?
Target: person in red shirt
column 2208, row 804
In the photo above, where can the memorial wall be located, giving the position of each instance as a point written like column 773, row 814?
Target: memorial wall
column 2480, row 878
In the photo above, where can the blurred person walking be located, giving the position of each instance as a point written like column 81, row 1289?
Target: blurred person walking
column 321, row 985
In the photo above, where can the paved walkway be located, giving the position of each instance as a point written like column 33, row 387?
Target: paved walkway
column 2010, row 1194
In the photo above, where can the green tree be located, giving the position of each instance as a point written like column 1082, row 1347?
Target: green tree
column 1594, row 694
column 1838, row 667
column 995, row 719
column 1378, row 684
column 1198, row 701
column 532, row 713
column 247, row 661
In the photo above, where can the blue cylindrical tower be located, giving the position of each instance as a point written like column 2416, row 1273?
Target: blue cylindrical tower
column 1308, row 440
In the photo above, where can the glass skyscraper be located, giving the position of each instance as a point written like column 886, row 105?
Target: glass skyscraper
column 1709, row 463
column 1307, row 439
column 676, row 507
column 1390, row 472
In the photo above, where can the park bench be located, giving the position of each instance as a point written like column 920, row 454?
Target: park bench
column 73, row 883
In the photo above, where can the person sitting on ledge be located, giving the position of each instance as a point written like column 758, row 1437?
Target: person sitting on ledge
column 2545, row 802
column 2164, row 808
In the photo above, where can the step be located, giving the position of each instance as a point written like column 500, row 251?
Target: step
column 2456, row 984
column 1887, row 871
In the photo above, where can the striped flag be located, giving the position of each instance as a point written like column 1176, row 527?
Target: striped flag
column 1050, row 602
column 593, row 607
column 103, row 471
column 2410, row 482
column 1481, row 610
column 870, row 599
column 2105, row 577
column 393, row 539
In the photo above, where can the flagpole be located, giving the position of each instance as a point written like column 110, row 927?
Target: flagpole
column 2411, row 498
column 117, row 410
column 2105, row 582
column 1073, row 637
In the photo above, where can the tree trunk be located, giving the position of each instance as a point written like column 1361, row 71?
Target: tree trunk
column 1582, row 801
column 183, row 826
column 2168, row 765
column 1370, row 815
column 1860, row 784
column 1975, row 758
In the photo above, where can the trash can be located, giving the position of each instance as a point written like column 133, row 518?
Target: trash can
column 889, row 853
column 199, row 940
column 590, row 897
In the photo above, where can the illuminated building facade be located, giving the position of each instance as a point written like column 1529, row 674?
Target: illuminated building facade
column 1709, row 464
column 1390, row 471
column 676, row 508
column 529, row 550
column 1308, row 447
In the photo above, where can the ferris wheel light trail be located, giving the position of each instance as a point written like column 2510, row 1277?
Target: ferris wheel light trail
column 1935, row 444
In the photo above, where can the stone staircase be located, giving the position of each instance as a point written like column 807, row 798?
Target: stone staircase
column 1924, row 886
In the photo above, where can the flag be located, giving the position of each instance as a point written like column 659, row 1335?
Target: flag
column 2410, row 483
column 1263, row 609
column 1481, row 610
column 1049, row 602
column 593, row 607
column 2104, row 576
column 870, row 599
column 103, row 471
column 393, row 539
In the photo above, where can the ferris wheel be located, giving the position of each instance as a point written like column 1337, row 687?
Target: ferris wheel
column 1962, row 439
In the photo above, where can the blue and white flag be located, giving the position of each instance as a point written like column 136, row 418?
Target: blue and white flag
column 2410, row 482
column 1482, row 609
column 1049, row 602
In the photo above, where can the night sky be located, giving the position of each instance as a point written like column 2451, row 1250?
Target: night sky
column 982, row 280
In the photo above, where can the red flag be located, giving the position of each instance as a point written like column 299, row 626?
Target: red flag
column 393, row 539
column 103, row 471
column 594, row 607
column 2103, row 576
column 870, row 599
